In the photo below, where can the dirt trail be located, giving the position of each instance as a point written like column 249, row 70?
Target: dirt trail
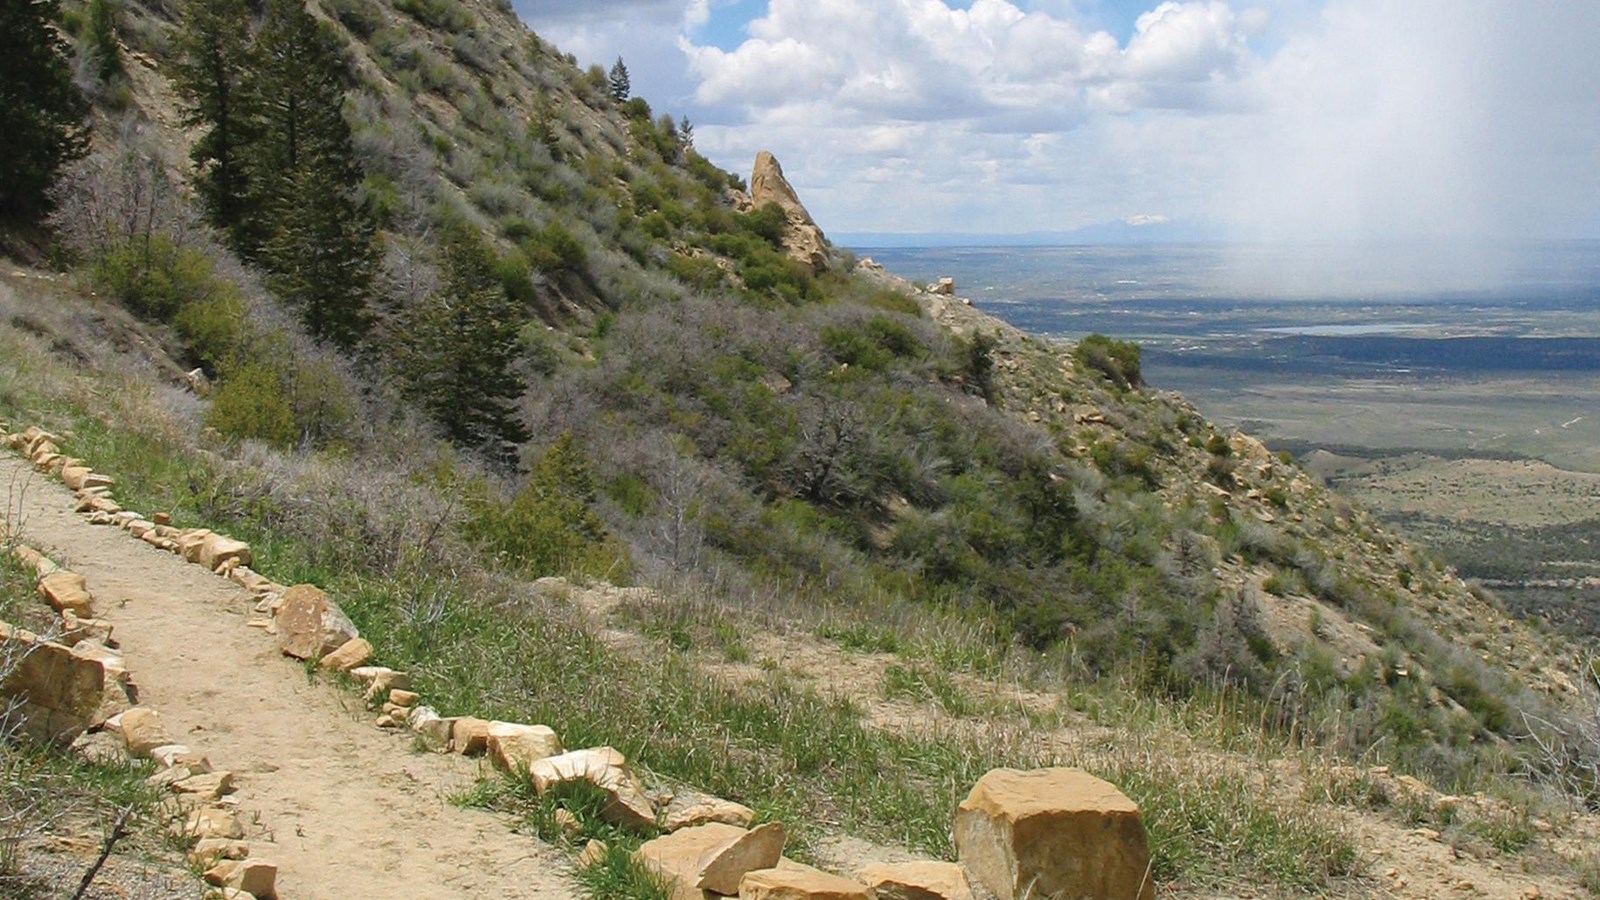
column 350, row 811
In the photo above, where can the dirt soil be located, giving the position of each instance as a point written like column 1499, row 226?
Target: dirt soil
column 343, row 809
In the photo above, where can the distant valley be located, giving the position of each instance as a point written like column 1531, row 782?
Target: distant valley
column 1469, row 418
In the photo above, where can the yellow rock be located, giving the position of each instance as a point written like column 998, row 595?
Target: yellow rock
column 1052, row 832
column 713, row 857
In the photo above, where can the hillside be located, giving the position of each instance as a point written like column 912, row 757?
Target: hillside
column 868, row 530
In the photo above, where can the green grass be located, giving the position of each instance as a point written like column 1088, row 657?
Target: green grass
column 477, row 644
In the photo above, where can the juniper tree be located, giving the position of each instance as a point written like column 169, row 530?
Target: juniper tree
column 459, row 348
column 212, row 59
column 41, row 109
column 620, row 88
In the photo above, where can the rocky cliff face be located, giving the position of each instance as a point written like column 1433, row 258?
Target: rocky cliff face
column 802, row 239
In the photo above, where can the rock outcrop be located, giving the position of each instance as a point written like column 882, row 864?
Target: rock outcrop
column 1053, row 833
column 802, row 239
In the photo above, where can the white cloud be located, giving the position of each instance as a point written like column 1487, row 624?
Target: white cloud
column 1333, row 119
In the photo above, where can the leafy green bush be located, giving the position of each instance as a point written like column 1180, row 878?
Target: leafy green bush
column 250, row 405
column 549, row 527
column 155, row 277
column 1116, row 360
column 214, row 329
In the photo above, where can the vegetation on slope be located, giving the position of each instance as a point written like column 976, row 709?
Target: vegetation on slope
column 542, row 326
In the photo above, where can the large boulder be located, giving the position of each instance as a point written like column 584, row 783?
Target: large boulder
column 310, row 625
column 802, row 239
column 712, row 857
column 513, row 747
column 60, row 691
column 1053, row 833
column 605, row 768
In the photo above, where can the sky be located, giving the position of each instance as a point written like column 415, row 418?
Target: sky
column 1356, row 121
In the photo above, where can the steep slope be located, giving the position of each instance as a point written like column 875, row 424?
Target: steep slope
column 711, row 415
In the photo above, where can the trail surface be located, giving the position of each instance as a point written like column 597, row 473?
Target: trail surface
column 346, row 811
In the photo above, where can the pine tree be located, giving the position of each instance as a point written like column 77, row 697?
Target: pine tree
column 621, row 90
column 105, row 49
column 41, row 111
column 458, row 349
column 212, row 59
column 312, row 234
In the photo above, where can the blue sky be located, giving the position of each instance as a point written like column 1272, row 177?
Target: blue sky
column 1347, row 120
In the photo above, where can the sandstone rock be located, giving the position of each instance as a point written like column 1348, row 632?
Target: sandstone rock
column 380, row 681
column 65, row 590
column 593, row 853
column 100, row 748
column 1052, row 832
column 60, row 691
column 72, row 476
column 567, row 822
column 210, row 785
column 915, row 881
column 40, row 564
column 430, row 728
column 170, row 756
column 793, row 881
column 217, row 549
column 161, row 519
column 142, row 731
column 350, row 654
column 76, row 629
column 802, row 239
column 469, row 736
column 944, row 287
column 253, row 876
column 712, row 857
column 248, row 578
column 403, row 698
column 190, row 542
column 688, row 809
column 208, row 851
column 310, row 624
column 512, row 747
column 211, row 822
column 115, row 667
column 606, row 769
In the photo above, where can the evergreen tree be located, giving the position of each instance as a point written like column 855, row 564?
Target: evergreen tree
column 212, row 59
column 458, row 349
column 686, row 134
column 621, row 90
column 105, row 50
column 41, row 111
column 312, row 234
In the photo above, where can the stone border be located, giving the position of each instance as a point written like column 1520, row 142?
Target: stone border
column 709, row 847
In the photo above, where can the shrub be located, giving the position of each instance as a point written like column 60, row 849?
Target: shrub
column 549, row 527
column 1116, row 360
column 153, row 277
column 214, row 329
column 250, row 405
